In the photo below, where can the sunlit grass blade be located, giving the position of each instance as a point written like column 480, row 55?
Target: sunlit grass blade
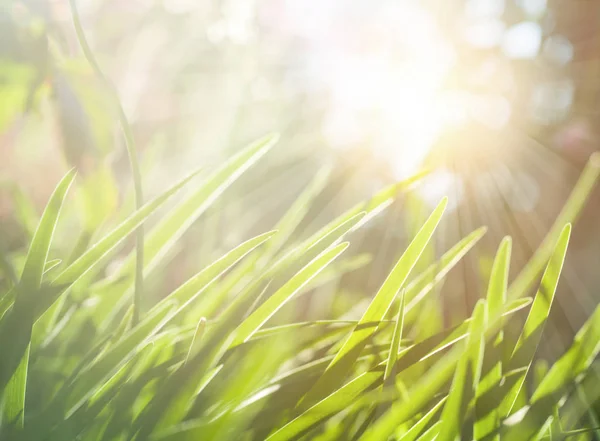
column 165, row 234
column 265, row 311
column 15, row 332
column 187, row 292
column 420, row 426
column 349, row 392
column 465, row 379
column 161, row 314
column 421, row 393
column 363, row 212
column 395, row 343
column 526, row 345
column 285, row 227
column 162, row 237
column 565, row 372
column 88, row 259
column 496, row 299
column 583, row 351
column 569, row 213
column 344, row 359
column 435, row 273
column 196, row 338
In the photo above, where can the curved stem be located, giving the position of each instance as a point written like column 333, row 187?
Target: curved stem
column 131, row 152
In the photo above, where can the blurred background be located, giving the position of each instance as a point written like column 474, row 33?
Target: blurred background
column 497, row 98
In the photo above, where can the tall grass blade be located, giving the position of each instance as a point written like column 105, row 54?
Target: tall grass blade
column 346, row 356
column 526, row 345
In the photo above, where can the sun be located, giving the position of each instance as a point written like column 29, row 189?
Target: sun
column 390, row 93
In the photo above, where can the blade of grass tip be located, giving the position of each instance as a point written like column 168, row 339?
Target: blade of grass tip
column 335, row 373
column 88, row 259
column 196, row 338
column 51, row 264
column 569, row 213
column 425, row 281
column 577, row 359
column 187, row 292
column 372, row 207
column 90, row 377
column 420, row 394
column 419, row 427
column 465, row 379
column 526, row 345
column 285, row 227
column 131, row 152
column 389, row 373
column 283, row 295
column 361, row 213
column 565, row 372
column 167, row 232
column 496, row 300
column 15, row 333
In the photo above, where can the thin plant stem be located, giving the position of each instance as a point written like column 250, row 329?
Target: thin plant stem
column 131, row 152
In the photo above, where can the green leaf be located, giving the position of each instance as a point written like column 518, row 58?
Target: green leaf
column 569, row 213
column 395, row 344
column 575, row 361
column 187, row 292
column 265, row 311
column 15, row 332
column 496, row 300
column 419, row 427
column 526, row 345
column 435, row 273
column 465, row 379
column 88, row 259
column 350, row 350
column 169, row 230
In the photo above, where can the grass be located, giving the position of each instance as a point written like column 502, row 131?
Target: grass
column 85, row 356
column 220, row 357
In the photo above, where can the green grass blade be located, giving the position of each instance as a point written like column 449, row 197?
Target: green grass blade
column 37, row 255
column 265, row 311
column 13, row 405
column 435, row 273
column 344, row 359
column 569, row 213
column 187, row 292
column 15, row 333
column 465, row 379
column 166, row 233
column 419, row 427
column 579, row 357
column 285, row 227
column 497, row 288
column 421, row 393
column 88, row 259
column 533, row 328
column 395, row 344
column 87, row 381
column 496, row 300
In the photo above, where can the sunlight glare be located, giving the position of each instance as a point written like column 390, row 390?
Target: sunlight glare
column 391, row 94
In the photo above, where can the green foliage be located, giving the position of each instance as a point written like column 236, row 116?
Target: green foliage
column 224, row 357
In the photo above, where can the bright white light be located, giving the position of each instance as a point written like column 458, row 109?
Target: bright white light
column 485, row 34
column 534, row 8
column 478, row 9
column 439, row 184
column 492, row 111
column 523, row 40
column 388, row 92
